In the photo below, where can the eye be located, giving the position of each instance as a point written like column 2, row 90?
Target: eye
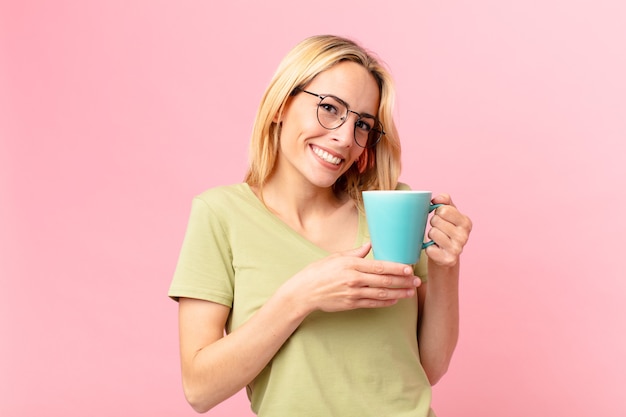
column 364, row 125
column 329, row 108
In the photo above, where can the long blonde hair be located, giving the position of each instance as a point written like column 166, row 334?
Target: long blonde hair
column 378, row 167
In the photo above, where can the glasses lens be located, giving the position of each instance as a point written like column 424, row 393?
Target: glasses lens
column 331, row 113
column 367, row 132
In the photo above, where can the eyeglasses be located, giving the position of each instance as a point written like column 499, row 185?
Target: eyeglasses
column 332, row 113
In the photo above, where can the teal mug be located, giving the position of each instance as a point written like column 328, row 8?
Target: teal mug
column 396, row 220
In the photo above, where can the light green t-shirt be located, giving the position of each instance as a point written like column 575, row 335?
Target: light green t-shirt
column 356, row 363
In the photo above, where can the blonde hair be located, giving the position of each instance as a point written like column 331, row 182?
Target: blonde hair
column 378, row 167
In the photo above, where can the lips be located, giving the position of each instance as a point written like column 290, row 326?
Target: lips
column 326, row 157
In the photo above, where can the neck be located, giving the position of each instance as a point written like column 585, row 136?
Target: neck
column 296, row 203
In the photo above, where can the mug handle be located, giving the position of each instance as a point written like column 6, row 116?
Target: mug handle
column 430, row 210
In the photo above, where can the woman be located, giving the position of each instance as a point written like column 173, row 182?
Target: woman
column 314, row 326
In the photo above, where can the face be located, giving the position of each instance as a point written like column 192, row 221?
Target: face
column 310, row 154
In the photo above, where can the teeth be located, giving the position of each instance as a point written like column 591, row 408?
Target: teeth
column 326, row 156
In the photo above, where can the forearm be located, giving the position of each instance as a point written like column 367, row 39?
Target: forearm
column 439, row 320
column 222, row 368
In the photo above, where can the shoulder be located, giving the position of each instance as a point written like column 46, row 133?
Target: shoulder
column 225, row 195
column 222, row 208
column 402, row 186
column 223, row 203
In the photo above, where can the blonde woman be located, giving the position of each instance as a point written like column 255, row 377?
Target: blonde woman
column 276, row 285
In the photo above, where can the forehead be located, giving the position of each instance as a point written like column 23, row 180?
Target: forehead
column 352, row 83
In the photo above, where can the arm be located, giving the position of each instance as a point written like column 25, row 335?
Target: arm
column 438, row 326
column 215, row 367
column 438, row 329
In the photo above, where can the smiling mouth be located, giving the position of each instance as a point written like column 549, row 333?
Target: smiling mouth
column 325, row 156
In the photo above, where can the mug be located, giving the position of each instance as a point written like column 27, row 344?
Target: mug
column 396, row 220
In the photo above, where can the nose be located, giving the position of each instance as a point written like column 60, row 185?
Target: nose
column 345, row 133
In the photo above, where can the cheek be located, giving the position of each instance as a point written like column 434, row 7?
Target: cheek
column 356, row 152
column 299, row 133
column 296, row 124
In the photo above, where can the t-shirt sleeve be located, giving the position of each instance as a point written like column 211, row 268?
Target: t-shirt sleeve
column 204, row 270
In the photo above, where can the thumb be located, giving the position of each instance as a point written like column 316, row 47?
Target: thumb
column 360, row 252
column 443, row 199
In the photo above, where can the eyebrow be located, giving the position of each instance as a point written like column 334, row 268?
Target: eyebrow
column 349, row 108
column 367, row 115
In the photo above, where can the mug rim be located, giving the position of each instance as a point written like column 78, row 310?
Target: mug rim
column 398, row 191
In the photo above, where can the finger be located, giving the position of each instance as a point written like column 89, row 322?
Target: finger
column 370, row 303
column 378, row 267
column 453, row 231
column 384, row 294
column 452, row 215
column 443, row 199
column 443, row 241
column 360, row 252
column 374, row 298
column 390, row 281
column 441, row 257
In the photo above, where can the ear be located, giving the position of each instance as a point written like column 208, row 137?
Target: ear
column 362, row 162
column 278, row 117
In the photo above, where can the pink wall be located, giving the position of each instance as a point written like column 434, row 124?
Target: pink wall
column 114, row 114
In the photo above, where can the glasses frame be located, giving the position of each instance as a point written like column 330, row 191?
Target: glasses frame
column 345, row 118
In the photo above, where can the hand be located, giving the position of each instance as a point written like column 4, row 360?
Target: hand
column 450, row 230
column 347, row 281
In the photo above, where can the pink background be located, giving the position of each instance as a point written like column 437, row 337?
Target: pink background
column 113, row 114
